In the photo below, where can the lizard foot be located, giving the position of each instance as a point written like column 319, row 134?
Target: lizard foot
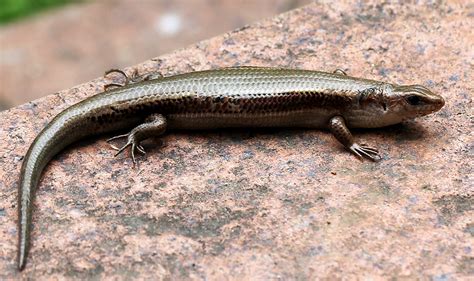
column 153, row 125
column 131, row 141
column 364, row 151
column 134, row 78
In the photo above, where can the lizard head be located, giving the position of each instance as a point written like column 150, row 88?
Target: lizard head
column 410, row 101
column 393, row 104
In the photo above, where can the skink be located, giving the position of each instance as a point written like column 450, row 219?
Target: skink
column 222, row 98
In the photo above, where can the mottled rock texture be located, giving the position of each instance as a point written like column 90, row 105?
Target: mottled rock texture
column 268, row 204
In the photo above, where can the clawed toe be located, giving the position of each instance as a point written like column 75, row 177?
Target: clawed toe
column 122, row 148
column 114, row 138
column 369, row 149
column 121, row 72
column 141, row 149
column 111, row 85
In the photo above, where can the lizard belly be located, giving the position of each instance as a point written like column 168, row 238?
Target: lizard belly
column 302, row 118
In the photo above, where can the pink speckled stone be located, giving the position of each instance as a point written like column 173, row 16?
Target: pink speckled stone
column 268, row 204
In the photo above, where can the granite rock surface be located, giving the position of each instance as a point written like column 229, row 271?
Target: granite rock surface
column 268, row 204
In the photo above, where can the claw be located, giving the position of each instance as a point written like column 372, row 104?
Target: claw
column 141, row 149
column 145, row 77
column 138, row 78
column 107, row 86
column 356, row 152
column 369, row 149
column 117, row 137
column 122, row 148
column 114, row 138
column 340, row 71
column 127, row 79
column 114, row 147
column 117, row 71
column 133, row 154
column 135, row 74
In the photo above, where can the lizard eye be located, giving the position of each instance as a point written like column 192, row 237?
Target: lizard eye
column 413, row 100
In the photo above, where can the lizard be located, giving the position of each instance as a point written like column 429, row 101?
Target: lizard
column 231, row 97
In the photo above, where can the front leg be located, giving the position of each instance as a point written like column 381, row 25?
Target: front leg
column 343, row 135
column 154, row 125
